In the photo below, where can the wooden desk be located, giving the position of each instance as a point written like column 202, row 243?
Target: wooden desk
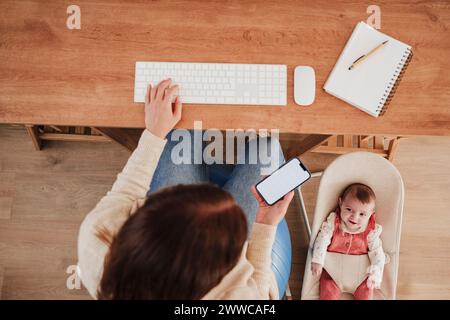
column 52, row 75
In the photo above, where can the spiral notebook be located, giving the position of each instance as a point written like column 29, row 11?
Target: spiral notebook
column 371, row 85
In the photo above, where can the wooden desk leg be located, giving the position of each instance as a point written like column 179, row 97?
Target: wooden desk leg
column 121, row 136
column 34, row 135
column 311, row 142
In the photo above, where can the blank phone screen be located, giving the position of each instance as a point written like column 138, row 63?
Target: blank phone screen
column 282, row 181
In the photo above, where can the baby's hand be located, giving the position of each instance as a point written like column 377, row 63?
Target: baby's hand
column 371, row 284
column 316, row 269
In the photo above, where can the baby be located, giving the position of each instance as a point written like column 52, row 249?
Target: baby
column 350, row 230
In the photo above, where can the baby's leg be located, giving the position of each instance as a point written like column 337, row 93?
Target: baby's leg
column 328, row 288
column 363, row 292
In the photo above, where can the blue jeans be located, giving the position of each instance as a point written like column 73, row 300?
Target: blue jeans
column 237, row 180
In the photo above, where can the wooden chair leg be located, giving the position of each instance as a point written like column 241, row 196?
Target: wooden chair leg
column 363, row 142
column 379, row 143
column 34, row 135
column 342, row 144
column 392, row 150
column 332, row 141
column 348, row 141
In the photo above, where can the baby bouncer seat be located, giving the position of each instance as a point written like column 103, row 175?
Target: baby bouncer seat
column 385, row 180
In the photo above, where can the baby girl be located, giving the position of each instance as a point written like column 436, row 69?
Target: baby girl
column 350, row 230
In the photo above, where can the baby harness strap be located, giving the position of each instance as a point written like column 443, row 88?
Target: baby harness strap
column 348, row 271
column 347, row 261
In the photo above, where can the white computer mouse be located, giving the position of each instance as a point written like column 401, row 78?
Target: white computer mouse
column 304, row 85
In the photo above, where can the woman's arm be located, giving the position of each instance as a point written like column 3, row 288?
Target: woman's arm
column 133, row 182
column 130, row 186
column 259, row 254
column 115, row 207
column 259, row 251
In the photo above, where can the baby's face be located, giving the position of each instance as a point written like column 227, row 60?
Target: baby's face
column 354, row 213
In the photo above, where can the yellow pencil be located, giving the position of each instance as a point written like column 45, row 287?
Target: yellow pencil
column 364, row 57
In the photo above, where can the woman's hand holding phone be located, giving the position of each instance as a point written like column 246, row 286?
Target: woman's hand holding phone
column 271, row 215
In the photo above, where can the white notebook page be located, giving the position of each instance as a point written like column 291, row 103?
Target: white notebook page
column 364, row 85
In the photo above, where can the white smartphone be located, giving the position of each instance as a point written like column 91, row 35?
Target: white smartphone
column 286, row 178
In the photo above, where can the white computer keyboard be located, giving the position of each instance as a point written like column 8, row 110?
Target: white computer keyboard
column 216, row 83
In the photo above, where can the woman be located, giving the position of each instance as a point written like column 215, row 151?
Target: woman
column 182, row 241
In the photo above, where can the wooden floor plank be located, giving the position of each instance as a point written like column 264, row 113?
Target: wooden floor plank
column 66, row 197
column 5, row 207
column 425, row 251
column 2, row 273
column 7, row 192
column 39, row 285
column 57, row 156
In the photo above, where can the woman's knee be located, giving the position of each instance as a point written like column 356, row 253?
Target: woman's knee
column 281, row 256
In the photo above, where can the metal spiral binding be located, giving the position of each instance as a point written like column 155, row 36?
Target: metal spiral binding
column 394, row 82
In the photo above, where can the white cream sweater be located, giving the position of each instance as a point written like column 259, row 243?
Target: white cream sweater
column 251, row 278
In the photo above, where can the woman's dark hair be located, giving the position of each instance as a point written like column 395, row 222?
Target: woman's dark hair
column 178, row 245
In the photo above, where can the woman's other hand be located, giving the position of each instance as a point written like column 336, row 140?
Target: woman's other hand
column 271, row 214
column 162, row 108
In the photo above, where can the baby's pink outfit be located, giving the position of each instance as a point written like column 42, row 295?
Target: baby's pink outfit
column 346, row 243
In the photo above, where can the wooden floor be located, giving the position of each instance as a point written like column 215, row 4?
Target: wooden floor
column 45, row 195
